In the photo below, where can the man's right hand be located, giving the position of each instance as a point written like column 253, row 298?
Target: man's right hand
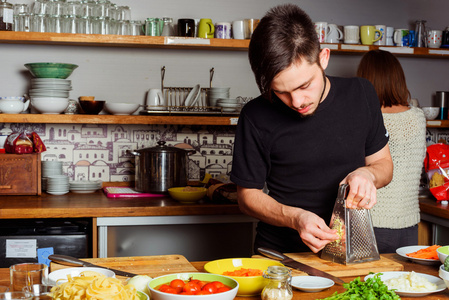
column 313, row 230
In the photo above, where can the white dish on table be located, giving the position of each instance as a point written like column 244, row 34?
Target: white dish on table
column 433, row 279
column 311, row 284
column 60, row 276
column 410, row 249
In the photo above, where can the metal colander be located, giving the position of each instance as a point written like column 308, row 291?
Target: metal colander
column 358, row 242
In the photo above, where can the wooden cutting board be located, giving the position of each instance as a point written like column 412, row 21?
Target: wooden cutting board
column 313, row 260
column 152, row 266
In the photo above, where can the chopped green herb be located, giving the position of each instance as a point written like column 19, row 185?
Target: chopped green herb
column 372, row 289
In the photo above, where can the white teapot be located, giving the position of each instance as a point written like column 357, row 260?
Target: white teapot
column 13, row 105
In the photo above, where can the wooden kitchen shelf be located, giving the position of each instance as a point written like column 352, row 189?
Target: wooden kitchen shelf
column 47, row 38
column 438, row 124
column 117, row 119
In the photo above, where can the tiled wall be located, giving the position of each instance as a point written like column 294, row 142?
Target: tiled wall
column 102, row 152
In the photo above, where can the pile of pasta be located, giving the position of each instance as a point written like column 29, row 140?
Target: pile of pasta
column 93, row 286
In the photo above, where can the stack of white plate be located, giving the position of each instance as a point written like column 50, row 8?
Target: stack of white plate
column 57, row 184
column 228, row 104
column 85, row 186
column 51, row 167
column 50, row 87
column 215, row 93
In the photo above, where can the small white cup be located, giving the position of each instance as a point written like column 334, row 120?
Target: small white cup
column 223, row 30
column 434, row 38
column 321, row 30
column 155, row 100
column 334, row 35
column 383, row 39
column 239, row 30
column 389, row 36
column 352, row 34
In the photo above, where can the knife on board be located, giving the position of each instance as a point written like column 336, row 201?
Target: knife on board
column 290, row 262
column 75, row 262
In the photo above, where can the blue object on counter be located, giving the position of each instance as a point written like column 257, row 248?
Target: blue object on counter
column 443, row 113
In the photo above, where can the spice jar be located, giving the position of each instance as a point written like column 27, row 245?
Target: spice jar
column 279, row 284
column 6, row 16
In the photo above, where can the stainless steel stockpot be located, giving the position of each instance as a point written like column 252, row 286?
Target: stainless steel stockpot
column 161, row 167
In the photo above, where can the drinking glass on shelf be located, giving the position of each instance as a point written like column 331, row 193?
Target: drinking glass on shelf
column 73, row 8
column 69, row 24
column 37, row 23
column 100, row 25
column 135, row 27
column 123, row 13
column 39, row 7
column 84, row 25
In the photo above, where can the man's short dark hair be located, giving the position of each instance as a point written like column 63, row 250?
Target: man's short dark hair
column 286, row 34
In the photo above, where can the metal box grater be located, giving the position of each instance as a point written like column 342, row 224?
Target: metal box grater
column 358, row 242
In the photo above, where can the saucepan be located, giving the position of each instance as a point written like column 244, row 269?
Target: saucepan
column 161, row 167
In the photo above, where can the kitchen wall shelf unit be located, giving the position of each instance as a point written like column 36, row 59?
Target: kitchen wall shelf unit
column 45, row 38
column 117, row 119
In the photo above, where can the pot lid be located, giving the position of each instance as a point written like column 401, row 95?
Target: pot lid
column 162, row 148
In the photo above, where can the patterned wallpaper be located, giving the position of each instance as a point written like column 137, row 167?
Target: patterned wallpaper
column 102, row 152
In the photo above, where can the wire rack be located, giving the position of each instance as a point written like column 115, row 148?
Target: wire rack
column 176, row 98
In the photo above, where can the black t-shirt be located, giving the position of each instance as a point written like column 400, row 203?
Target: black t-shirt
column 303, row 159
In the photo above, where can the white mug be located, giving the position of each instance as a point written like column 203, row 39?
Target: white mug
column 239, row 30
column 352, row 34
column 321, row 31
column 222, row 30
column 389, row 38
column 383, row 39
column 400, row 37
column 155, row 100
column 434, row 38
column 334, row 35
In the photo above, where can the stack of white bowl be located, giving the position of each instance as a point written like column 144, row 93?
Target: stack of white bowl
column 228, row 104
column 85, row 186
column 215, row 93
column 49, row 168
column 57, row 184
column 50, row 95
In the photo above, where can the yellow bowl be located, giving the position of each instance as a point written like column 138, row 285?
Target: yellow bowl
column 248, row 286
column 187, row 195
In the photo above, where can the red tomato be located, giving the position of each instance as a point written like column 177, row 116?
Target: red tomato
column 176, row 283
column 223, row 289
column 210, row 287
column 168, row 289
column 218, row 284
column 203, row 292
column 163, row 287
column 192, row 287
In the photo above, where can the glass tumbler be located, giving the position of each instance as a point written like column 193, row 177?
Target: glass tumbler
column 37, row 23
column 100, row 25
column 69, row 24
column 135, row 27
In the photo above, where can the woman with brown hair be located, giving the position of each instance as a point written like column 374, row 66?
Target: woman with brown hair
column 396, row 213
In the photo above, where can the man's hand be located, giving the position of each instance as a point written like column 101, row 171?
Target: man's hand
column 313, row 231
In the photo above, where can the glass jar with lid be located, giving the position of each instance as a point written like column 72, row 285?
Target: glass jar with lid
column 278, row 285
column 6, row 16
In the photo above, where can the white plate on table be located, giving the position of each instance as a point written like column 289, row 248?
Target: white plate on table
column 410, row 249
column 193, row 96
column 311, row 284
column 441, row 286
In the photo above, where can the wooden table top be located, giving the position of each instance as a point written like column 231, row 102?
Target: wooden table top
column 297, row 295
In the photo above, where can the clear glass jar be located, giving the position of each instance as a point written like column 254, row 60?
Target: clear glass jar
column 6, row 16
column 279, row 284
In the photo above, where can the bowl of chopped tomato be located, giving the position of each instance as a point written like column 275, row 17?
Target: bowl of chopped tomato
column 184, row 286
column 248, row 272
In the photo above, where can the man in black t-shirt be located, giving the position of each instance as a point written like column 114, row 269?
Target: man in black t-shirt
column 306, row 134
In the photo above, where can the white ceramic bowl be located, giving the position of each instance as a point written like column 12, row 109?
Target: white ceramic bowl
column 48, row 105
column 121, row 108
column 443, row 252
column 430, row 112
column 158, row 295
column 444, row 275
column 60, row 276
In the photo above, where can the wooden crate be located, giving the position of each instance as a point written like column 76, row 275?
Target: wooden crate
column 20, row 174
